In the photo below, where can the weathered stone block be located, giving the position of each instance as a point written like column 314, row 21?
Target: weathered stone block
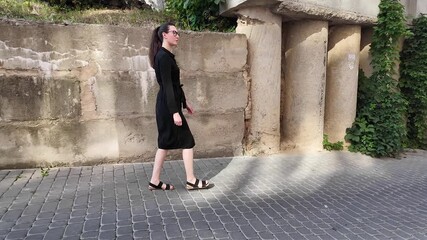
column 217, row 134
column 33, row 98
column 124, row 93
column 212, row 52
column 42, row 143
column 137, row 138
column 58, row 143
column 215, row 92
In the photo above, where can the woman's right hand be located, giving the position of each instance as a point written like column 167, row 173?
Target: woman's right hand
column 177, row 119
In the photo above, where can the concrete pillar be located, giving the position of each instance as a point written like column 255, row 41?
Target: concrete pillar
column 365, row 47
column 305, row 78
column 264, row 31
column 342, row 78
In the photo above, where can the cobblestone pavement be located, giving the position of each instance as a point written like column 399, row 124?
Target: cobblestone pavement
column 327, row 195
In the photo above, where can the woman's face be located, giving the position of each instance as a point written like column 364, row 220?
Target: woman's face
column 172, row 36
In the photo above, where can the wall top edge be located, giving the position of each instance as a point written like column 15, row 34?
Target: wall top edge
column 363, row 12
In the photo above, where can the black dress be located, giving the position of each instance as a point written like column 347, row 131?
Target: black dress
column 170, row 99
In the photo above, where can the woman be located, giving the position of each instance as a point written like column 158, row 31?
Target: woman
column 172, row 126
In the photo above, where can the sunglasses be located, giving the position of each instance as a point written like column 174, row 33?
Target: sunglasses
column 175, row 33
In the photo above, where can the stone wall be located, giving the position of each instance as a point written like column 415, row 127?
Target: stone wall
column 85, row 94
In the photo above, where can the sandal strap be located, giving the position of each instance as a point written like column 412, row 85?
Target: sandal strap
column 196, row 184
column 159, row 186
column 168, row 187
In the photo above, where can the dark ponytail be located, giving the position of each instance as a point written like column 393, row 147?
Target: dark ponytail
column 156, row 41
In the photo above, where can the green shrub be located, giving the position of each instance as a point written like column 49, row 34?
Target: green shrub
column 29, row 9
column 413, row 82
column 332, row 146
column 379, row 129
column 199, row 15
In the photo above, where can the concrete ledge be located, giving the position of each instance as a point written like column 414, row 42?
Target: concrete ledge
column 337, row 11
column 293, row 10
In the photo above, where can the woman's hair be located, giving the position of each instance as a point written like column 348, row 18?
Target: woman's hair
column 156, row 40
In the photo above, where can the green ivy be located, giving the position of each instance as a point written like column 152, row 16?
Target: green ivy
column 332, row 146
column 379, row 129
column 199, row 15
column 414, row 82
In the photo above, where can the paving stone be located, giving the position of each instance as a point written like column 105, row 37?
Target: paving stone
column 124, row 222
column 215, row 225
column 18, row 234
column 205, row 234
column 220, row 233
column 38, row 230
column 237, row 235
column 124, row 230
column 33, row 209
column 58, row 224
column 172, row 230
column 55, row 233
column 21, row 226
column 201, row 225
column 125, row 237
column 185, row 223
column 156, row 227
column 35, row 237
column 90, row 234
column 231, row 227
column 91, row 225
column 12, row 215
column 108, row 227
column 143, row 234
column 257, row 225
column 77, row 219
column 108, row 218
column 73, row 229
column 124, row 214
column 266, row 235
column 157, row 235
column 189, row 233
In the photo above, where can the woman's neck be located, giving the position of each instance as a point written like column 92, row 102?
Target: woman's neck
column 167, row 46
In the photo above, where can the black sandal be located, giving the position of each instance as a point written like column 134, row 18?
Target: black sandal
column 152, row 187
column 195, row 186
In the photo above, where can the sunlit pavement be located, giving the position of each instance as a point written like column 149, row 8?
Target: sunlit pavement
column 325, row 195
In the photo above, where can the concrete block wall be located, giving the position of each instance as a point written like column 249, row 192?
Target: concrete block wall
column 85, row 94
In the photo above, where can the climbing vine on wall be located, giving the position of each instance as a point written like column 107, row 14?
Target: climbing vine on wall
column 199, row 15
column 414, row 82
column 379, row 129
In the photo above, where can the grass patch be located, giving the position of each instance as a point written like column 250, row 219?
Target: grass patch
column 40, row 11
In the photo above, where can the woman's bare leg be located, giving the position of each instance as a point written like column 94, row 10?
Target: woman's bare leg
column 158, row 165
column 187, row 155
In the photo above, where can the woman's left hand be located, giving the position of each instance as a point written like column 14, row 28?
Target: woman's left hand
column 190, row 109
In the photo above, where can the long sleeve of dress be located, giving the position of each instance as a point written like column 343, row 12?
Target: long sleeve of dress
column 165, row 67
column 183, row 99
